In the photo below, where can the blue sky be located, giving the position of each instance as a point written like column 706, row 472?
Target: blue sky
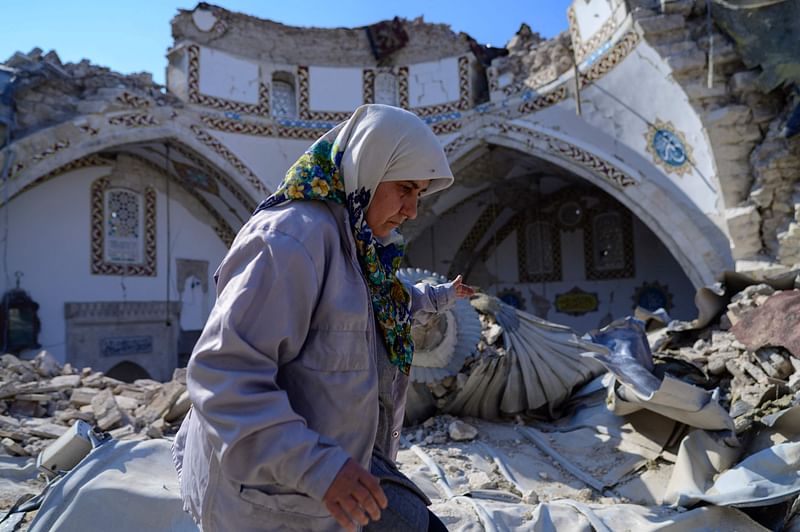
column 133, row 36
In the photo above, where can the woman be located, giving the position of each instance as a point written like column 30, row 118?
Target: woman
column 298, row 380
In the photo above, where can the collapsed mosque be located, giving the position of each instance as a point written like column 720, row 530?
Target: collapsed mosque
column 626, row 162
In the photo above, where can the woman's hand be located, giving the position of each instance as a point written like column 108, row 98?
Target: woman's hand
column 354, row 496
column 462, row 290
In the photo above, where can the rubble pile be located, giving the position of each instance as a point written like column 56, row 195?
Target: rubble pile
column 40, row 399
column 533, row 61
column 755, row 380
column 48, row 91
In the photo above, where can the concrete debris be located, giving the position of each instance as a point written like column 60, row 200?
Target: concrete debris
column 461, row 431
column 48, row 91
column 40, row 399
column 532, row 61
column 755, row 364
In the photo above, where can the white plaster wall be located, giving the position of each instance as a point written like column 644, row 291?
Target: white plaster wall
column 335, row 89
column 624, row 110
column 591, row 15
column 49, row 241
column 268, row 158
column 226, row 76
column 433, row 82
column 614, row 121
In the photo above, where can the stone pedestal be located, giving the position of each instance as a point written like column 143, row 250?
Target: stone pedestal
column 103, row 334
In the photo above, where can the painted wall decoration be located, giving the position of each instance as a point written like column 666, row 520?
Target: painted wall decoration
column 608, row 243
column 101, row 265
column 653, row 296
column 196, row 178
column 512, row 297
column 577, row 302
column 669, row 148
column 538, row 249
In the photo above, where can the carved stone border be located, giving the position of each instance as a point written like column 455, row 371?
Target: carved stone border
column 133, row 120
column 83, row 162
column 559, row 147
column 237, row 126
column 196, row 97
column 368, row 85
column 98, row 219
column 229, row 156
column 610, row 59
column 546, row 100
column 584, row 48
column 303, row 102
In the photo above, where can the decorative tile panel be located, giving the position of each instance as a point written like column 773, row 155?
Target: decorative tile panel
column 402, row 87
column 147, row 267
column 597, row 234
column 537, row 240
column 653, row 296
column 669, row 148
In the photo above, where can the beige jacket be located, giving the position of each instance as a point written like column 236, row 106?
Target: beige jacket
column 283, row 379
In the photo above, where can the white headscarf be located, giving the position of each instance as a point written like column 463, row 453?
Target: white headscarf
column 384, row 143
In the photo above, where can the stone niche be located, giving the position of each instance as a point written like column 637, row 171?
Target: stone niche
column 104, row 334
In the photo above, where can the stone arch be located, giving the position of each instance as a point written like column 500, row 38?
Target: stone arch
column 55, row 147
column 696, row 242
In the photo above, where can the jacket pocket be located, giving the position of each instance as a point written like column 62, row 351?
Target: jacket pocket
column 328, row 350
column 287, row 503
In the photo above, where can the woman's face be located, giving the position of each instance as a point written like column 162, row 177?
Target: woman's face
column 394, row 203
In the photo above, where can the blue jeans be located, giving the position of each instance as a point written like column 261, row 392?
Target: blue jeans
column 407, row 510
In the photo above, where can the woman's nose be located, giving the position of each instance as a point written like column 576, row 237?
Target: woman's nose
column 410, row 208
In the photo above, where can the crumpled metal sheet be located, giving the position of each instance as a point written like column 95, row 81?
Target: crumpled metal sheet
column 775, row 323
column 762, row 479
column 542, row 365
column 627, row 356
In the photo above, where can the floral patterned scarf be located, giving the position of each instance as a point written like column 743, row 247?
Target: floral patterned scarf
column 316, row 176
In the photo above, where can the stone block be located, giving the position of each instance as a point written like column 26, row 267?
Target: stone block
column 161, row 403
column 461, row 431
column 106, row 410
column 744, row 82
column 83, row 396
column 661, row 24
column 687, row 62
column 728, row 116
column 744, row 229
